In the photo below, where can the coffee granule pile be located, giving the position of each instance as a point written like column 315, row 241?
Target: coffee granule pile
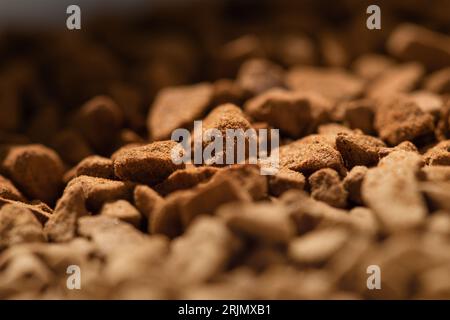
column 87, row 177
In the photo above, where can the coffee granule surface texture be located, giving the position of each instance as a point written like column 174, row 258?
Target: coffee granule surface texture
column 361, row 117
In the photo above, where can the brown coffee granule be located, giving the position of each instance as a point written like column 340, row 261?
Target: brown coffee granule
column 28, row 167
column 146, row 200
column 97, row 191
column 18, row 225
column 95, row 166
column 309, row 157
column 122, row 210
column 392, row 191
column 317, row 247
column 61, row 227
column 284, row 180
column 358, row 149
column 71, row 146
column 413, row 42
column 98, row 120
column 185, row 179
column 436, row 173
column 258, row 75
column 264, row 222
column 398, row 79
column 334, row 84
column 399, row 119
column 166, row 113
column 438, row 82
column 9, row 191
column 370, row 66
column 294, row 113
column 326, row 186
column 352, row 183
column 149, row 164
column 439, row 154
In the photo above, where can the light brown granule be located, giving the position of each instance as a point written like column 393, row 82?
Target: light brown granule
column 149, row 164
column 294, row 113
column 177, row 107
column 18, row 225
column 334, row 83
column 122, row 210
column 326, row 186
column 439, row 154
column 258, row 75
column 284, row 180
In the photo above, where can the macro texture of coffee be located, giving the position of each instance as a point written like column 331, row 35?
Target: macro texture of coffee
column 92, row 205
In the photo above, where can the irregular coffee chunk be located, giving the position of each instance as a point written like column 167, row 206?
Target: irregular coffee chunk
column 97, row 191
column 223, row 118
column 427, row 101
column 364, row 220
column 317, row 247
column 29, row 167
column 185, row 179
column 370, row 66
column 331, row 129
column 98, row 120
column 405, row 146
column 95, row 166
column 294, row 113
column 248, row 176
column 212, row 245
column 149, row 164
column 285, row 179
column 335, row 84
column 326, row 186
column 413, row 42
column 258, row 75
column 398, row 79
column 62, row 224
column 122, row 210
column 177, row 107
column 206, row 198
column 72, row 147
column 442, row 131
column 18, row 225
column 399, row 119
column 309, row 157
column 310, row 213
column 267, row 223
column 439, row 81
column 358, row 149
column 436, row 173
column 146, row 200
column 295, row 49
column 392, row 191
column 437, row 194
column 40, row 210
column 439, row 154
column 110, row 234
column 353, row 182
column 359, row 114
column 227, row 91
column 9, row 191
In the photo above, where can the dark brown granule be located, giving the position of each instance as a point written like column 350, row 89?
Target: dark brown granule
column 439, row 154
column 29, row 167
column 358, row 149
column 353, row 182
column 95, row 166
column 284, row 180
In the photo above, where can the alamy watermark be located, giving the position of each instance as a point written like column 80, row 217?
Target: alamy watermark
column 231, row 146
